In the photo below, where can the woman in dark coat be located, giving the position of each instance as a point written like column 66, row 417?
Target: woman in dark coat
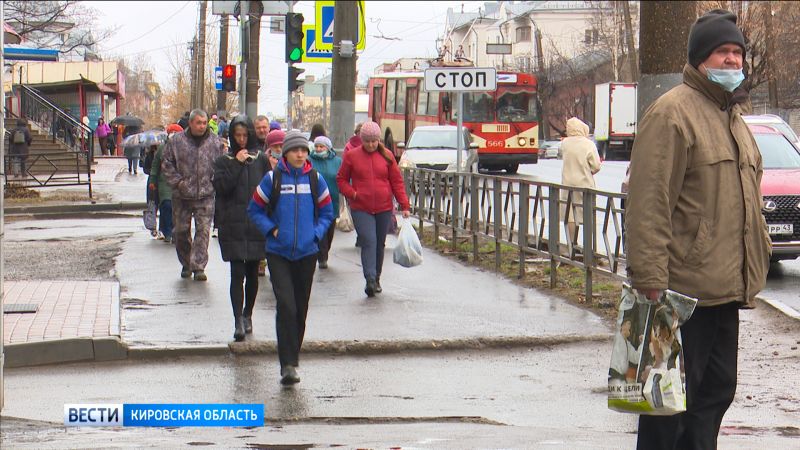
column 236, row 175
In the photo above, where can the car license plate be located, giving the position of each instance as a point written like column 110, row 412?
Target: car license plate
column 782, row 228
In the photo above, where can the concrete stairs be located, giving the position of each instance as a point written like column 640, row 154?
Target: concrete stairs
column 47, row 157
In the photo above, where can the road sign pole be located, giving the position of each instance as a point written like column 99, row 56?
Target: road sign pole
column 459, row 144
column 460, row 122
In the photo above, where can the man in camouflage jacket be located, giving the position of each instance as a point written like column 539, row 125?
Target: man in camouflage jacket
column 188, row 166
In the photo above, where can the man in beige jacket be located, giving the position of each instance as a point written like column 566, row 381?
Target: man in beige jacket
column 694, row 223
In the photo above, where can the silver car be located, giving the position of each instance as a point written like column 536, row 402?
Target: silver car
column 434, row 147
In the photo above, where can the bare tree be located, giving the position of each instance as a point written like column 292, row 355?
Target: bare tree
column 768, row 26
column 71, row 27
column 140, row 90
column 177, row 93
column 566, row 85
column 609, row 20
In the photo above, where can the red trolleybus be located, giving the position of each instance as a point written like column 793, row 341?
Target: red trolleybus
column 504, row 123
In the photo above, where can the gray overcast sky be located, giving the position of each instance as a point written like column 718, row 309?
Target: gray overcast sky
column 156, row 28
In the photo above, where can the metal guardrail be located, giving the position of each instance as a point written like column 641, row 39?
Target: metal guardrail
column 528, row 215
column 58, row 123
column 74, row 135
column 60, row 169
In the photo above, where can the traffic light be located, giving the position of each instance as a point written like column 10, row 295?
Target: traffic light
column 294, row 37
column 229, row 78
column 294, row 83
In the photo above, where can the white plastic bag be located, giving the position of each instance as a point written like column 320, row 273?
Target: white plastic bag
column 646, row 372
column 149, row 216
column 345, row 221
column 408, row 251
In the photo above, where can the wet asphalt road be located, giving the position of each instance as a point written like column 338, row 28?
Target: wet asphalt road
column 546, row 397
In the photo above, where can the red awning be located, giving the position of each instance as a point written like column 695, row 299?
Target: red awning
column 106, row 88
column 11, row 36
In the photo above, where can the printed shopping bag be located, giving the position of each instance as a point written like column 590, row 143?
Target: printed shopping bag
column 408, row 251
column 345, row 221
column 149, row 216
column 646, row 374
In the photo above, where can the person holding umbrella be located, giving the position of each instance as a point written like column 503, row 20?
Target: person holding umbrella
column 133, row 152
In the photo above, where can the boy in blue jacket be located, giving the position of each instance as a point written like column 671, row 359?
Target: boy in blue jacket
column 294, row 222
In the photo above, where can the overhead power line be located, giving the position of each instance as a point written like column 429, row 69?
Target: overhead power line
column 152, row 29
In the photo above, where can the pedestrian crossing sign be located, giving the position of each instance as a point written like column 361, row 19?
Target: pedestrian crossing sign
column 313, row 54
column 324, row 25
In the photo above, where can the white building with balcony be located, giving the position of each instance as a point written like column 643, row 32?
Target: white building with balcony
column 538, row 32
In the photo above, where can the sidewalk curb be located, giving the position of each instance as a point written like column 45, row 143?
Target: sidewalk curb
column 111, row 348
column 356, row 347
column 57, row 351
column 60, row 209
column 781, row 307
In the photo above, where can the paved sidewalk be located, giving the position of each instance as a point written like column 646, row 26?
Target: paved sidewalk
column 67, row 309
column 75, row 321
column 428, row 306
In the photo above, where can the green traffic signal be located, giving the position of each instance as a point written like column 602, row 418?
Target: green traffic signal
column 294, row 37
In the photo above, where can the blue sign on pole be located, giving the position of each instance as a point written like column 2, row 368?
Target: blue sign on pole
column 218, row 78
column 312, row 53
column 327, row 24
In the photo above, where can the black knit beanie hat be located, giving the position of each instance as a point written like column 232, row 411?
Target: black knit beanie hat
column 711, row 30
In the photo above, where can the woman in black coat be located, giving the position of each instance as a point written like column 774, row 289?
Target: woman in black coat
column 236, row 176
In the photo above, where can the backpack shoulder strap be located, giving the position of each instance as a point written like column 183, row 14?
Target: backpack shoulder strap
column 313, row 181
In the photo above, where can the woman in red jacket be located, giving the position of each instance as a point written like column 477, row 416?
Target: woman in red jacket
column 369, row 177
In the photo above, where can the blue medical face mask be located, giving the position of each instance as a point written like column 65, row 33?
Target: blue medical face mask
column 729, row 79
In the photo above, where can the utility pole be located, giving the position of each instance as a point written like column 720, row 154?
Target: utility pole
column 544, row 131
column 343, row 78
column 629, row 40
column 770, row 56
column 223, row 60
column 251, row 98
column 290, row 96
column 325, row 106
column 201, row 60
column 539, row 50
column 2, row 209
column 193, row 79
column 663, row 34
column 244, row 34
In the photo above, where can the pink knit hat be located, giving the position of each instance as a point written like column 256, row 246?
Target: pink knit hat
column 275, row 137
column 370, row 131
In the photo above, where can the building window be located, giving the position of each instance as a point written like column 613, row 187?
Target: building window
column 391, row 91
column 422, row 103
column 433, row 103
column 591, row 36
column 400, row 106
column 377, row 96
column 523, row 34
